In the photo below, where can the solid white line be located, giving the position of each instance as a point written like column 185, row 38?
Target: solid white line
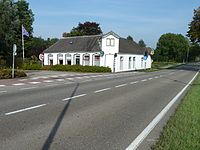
column 120, row 85
column 17, row 84
column 66, row 99
column 3, row 91
column 101, row 90
column 2, row 85
column 134, row 82
column 156, row 120
column 25, row 109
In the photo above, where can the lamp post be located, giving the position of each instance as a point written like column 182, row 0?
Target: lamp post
column 13, row 66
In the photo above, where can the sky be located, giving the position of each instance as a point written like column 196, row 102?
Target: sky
column 142, row 19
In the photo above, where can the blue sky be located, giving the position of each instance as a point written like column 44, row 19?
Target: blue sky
column 142, row 19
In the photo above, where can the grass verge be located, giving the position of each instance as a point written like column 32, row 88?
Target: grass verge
column 182, row 131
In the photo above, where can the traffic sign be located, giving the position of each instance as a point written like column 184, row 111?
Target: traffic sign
column 41, row 57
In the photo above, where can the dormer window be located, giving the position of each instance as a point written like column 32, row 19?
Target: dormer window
column 110, row 42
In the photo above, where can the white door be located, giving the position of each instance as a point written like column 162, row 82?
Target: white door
column 109, row 61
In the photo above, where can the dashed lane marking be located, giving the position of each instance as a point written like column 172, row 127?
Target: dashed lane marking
column 144, row 80
column 59, row 79
column 2, row 85
column 25, row 109
column 150, row 78
column 77, row 96
column 102, row 90
column 3, row 91
column 18, row 84
column 121, row 85
column 134, row 82
column 34, row 82
column 48, row 81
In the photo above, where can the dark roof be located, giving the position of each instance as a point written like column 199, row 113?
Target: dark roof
column 76, row 44
column 130, row 47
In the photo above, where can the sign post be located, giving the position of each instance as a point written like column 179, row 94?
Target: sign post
column 14, row 53
column 41, row 58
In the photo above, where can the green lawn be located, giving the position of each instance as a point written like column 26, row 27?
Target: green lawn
column 182, row 131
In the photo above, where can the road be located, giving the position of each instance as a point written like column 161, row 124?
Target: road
column 86, row 111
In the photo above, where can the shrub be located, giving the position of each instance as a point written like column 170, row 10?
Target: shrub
column 7, row 74
column 77, row 68
column 27, row 66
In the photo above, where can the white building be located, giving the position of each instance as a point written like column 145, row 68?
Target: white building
column 108, row 50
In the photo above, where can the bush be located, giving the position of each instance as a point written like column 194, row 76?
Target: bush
column 7, row 74
column 77, row 68
column 27, row 66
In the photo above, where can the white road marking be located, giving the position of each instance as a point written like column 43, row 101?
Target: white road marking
column 34, row 82
column 59, row 79
column 34, row 78
column 144, row 80
column 78, row 77
column 2, row 85
column 28, row 88
column 120, row 85
column 134, row 82
column 69, row 78
column 102, row 90
column 49, row 85
column 18, row 84
column 25, row 109
column 134, row 145
column 156, row 77
column 66, row 99
column 48, row 81
column 3, row 91
column 150, row 78
column 23, row 80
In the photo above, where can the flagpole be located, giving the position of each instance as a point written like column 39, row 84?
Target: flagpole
column 22, row 44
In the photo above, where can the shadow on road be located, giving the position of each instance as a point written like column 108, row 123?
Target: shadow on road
column 55, row 128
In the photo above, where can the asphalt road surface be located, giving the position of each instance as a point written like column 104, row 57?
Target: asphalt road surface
column 87, row 111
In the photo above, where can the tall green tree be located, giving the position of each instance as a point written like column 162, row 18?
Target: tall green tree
column 26, row 18
column 194, row 27
column 9, row 22
column 172, row 47
column 86, row 28
column 141, row 43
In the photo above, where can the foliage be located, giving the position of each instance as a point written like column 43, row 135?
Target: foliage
column 77, row 68
column 12, row 16
column 194, row 52
column 171, row 47
column 32, row 64
column 87, row 28
column 183, row 128
column 7, row 74
column 194, row 27
column 141, row 43
column 37, row 45
column 129, row 38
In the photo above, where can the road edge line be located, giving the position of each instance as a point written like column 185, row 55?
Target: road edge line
column 139, row 139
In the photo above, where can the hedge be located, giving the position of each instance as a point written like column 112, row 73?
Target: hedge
column 77, row 68
column 7, row 74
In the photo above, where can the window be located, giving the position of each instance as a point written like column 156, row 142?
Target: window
column 129, row 63
column 142, row 60
column 133, row 62
column 50, row 59
column 121, row 63
column 86, row 60
column 60, row 59
column 96, row 60
column 77, row 59
column 68, row 59
column 110, row 42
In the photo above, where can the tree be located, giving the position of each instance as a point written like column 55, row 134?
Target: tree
column 87, row 28
column 12, row 16
column 8, row 26
column 141, row 43
column 194, row 27
column 172, row 47
column 129, row 38
column 26, row 18
column 194, row 52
